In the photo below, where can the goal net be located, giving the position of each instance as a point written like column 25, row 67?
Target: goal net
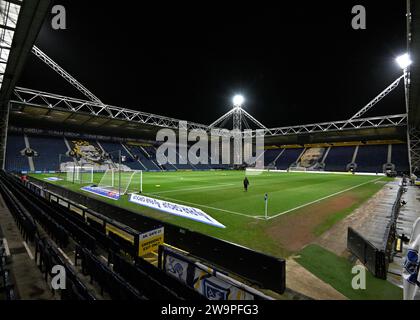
column 122, row 182
column 254, row 171
column 78, row 174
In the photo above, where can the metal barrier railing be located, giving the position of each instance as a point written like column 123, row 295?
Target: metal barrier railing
column 377, row 259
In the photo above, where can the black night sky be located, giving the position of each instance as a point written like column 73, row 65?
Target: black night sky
column 294, row 61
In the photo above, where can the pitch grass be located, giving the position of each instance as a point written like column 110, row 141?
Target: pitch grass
column 336, row 271
column 221, row 194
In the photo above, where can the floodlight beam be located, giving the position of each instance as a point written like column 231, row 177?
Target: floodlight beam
column 404, row 61
column 238, row 100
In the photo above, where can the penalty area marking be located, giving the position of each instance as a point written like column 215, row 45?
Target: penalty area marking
column 320, row 199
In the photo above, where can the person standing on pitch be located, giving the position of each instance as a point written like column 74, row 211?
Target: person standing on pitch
column 246, row 184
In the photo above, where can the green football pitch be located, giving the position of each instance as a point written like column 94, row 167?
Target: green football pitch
column 301, row 206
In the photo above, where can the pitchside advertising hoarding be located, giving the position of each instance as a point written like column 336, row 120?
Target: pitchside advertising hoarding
column 175, row 209
column 110, row 194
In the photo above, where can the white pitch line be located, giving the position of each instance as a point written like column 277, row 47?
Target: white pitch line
column 318, row 200
column 191, row 189
column 6, row 247
column 204, row 206
column 31, row 256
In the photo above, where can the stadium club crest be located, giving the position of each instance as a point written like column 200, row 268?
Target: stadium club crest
column 177, row 268
column 212, row 291
column 175, row 209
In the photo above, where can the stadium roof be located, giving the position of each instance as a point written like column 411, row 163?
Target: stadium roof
column 9, row 13
column 35, row 109
column 20, row 22
column 35, row 116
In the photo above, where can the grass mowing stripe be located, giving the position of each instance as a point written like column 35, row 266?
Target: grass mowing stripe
column 337, row 271
column 233, row 207
column 323, row 198
column 191, row 189
column 203, row 206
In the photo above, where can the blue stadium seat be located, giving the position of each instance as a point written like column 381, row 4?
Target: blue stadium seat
column 129, row 160
column 270, row 155
column 288, row 157
column 49, row 149
column 14, row 160
column 338, row 158
column 400, row 157
column 145, row 158
column 371, row 158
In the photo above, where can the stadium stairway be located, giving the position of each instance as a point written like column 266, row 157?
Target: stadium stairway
column 143, row 156
column 48, row 149
column 271, row 155
column 150, row 152
column 110, row 147
column 288, row 157
column 15, row 161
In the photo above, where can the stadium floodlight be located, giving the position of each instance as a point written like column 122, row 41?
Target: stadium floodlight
column 404, row 61
column 238, row 100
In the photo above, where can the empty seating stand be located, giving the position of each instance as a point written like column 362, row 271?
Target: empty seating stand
column 49, row 150
column 145, row 158
column 115, row 146
column 288, row 157
column 270, row 155
column 338, row 158
column 14, row 160
column 371, row 158
column 400, row 158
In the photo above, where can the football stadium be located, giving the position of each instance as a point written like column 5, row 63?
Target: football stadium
column 108, row 202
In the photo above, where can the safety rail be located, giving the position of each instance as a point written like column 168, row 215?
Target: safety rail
column 377, row 259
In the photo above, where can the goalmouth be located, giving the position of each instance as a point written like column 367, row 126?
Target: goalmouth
column 122, row 182
column 78, row 174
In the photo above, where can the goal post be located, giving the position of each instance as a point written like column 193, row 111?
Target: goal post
column 122, row 182
column 78, row 174
column 254, row 171
column 297, row 169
